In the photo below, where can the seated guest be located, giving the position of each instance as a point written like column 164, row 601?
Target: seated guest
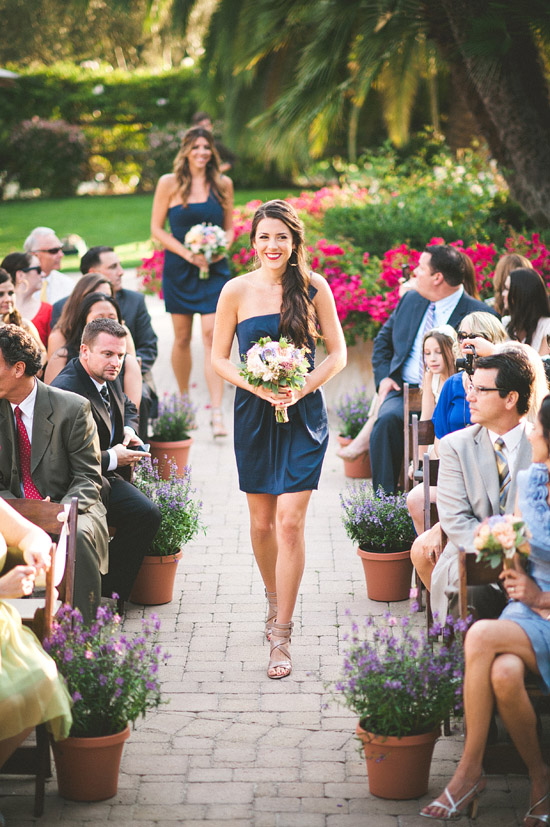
column 64, row 325
column 49, row 448
column 438, row 299
column 499, row 652
column 529, row 305
column 477, row 474
column 46, row 246
column 135, row 517
column 9, row 314
column 452, row 411
column 505, row 265
column 26, row 273
column 31, row 692
column 99, row 306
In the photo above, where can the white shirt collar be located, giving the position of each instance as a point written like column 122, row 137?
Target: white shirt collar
column 511, row 438
column 27, row 405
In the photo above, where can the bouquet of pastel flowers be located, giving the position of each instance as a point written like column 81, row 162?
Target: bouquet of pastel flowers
column 274, row 365
column 208, row 240
column 498, row 539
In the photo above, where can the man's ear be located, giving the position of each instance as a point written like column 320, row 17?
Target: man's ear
column 511, row 400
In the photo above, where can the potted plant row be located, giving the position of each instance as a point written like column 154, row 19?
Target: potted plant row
column 401, row 683
column 352, row 410
column 180, row 511
column 112, row 679
column 383, row 529
column 171, row 440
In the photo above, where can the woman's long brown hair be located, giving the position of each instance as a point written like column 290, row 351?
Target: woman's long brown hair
column 298, row 322
column 213, row 174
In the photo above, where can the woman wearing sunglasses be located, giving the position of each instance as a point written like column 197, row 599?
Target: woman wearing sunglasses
column 27, row 275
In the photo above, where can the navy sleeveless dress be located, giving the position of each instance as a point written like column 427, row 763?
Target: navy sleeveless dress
column 184, row 292
column 532, row 494
column 277, row 458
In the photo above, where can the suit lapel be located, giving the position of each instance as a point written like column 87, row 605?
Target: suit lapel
column 91, row 392
column 9, row 447
column 488, row 468
column 42, row 426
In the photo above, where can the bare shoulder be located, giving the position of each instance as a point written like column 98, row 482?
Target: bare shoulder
column 167, row 185
column 235, row 287
column 226, row 183
column 320, row 284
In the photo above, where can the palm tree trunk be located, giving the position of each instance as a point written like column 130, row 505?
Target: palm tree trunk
column 509, row 98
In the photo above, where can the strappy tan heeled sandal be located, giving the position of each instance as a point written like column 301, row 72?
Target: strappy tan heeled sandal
column 280, row 639
column 217, row 423
column 271, row 612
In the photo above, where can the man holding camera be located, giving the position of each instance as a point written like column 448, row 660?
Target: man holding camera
column 438, row 298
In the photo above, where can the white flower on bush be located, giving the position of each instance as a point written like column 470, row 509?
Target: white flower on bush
column 440, row 173
column 98, row 89
column 162, row 101
column 475, row 189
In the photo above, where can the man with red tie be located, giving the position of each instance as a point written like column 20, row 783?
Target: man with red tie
column 49, row 449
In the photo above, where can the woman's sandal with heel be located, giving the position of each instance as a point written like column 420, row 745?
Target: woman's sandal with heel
column 280, row 639
column 217, row 423
column 271, row 612
column 452, row 809
column 543, row 818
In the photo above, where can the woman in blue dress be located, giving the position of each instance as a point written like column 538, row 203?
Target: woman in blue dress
column 194, row 193
column 279, row 464
column 500, row 652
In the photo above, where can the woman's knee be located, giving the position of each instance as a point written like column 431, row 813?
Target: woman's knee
column 507, row 675
column 478, row 638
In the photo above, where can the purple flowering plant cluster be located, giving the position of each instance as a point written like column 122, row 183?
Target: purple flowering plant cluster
column 177, row 502
column 352, row 409
column 111, row 677
column 176, row 418
column 376, row 522
column 399, row 680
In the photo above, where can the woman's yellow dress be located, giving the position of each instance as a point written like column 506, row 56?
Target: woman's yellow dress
column 31, row 691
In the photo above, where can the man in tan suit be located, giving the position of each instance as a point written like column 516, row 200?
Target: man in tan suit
column 471, row 486
column 49, row 448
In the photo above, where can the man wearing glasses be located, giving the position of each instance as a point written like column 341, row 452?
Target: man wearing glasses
column 43, row 243
column 477, row 470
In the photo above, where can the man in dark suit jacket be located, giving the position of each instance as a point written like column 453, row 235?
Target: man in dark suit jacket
column 64, row 456
column 135, row 517
column 439, row 298
column 136, row 317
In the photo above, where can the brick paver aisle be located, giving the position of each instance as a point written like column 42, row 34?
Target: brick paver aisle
column 233, row 748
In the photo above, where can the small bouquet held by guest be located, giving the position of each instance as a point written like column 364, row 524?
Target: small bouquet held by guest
column 208, row 240
column 498, row 539
column 275, row 365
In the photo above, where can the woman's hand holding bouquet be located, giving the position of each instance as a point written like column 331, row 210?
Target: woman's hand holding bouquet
column 207, row 242
column 279, row 368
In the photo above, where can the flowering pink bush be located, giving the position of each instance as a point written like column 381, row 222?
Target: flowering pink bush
column 365, row 287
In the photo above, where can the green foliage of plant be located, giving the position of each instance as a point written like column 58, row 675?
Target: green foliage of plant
column 400, row 681
column 177, row 502
column 176, row 418
column 50, row 155
column 376, row 522
column 112, row 678
column 352, row 409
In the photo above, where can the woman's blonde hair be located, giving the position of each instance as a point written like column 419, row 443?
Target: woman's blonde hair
column 540, row 385
column 505, row 265
column 486, row 323
column 213, row 174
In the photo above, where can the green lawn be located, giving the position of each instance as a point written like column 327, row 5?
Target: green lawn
column 120, row 221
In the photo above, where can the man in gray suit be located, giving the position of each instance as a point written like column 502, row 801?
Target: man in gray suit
column 49, row 449
column 477, row 479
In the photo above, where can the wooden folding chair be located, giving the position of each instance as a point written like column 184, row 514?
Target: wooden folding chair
column 412, row 404
column 500, row 757
column 37, row 613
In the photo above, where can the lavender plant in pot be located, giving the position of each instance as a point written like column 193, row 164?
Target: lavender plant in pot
column 171, row 440
column 402, row 683
column 113, row 679
column 352, row 410
column 383, row 529
column 180, row 511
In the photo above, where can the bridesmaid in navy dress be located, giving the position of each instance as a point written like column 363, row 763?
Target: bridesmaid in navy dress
column 194, row 193
column 500, row 652
column 279, row 464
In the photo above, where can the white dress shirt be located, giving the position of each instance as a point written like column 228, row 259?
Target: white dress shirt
column 444, row 309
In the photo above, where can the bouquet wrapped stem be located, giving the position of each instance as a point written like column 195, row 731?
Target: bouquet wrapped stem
column 275, row 365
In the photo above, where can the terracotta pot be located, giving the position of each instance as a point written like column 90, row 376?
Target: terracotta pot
column 398, row 767
column 154, row 583
column 356, row 469
column 388, row 574
column 87, row 768
column 177, row 451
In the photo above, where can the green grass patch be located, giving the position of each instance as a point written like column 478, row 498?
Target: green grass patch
column 120, row 221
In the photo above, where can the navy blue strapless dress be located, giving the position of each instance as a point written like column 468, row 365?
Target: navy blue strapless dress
column 277, row 458
column 184, row 292
column 532, row 497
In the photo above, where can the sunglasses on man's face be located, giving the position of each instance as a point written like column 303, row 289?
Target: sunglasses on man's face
column 53, row 251
column 30, row 269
